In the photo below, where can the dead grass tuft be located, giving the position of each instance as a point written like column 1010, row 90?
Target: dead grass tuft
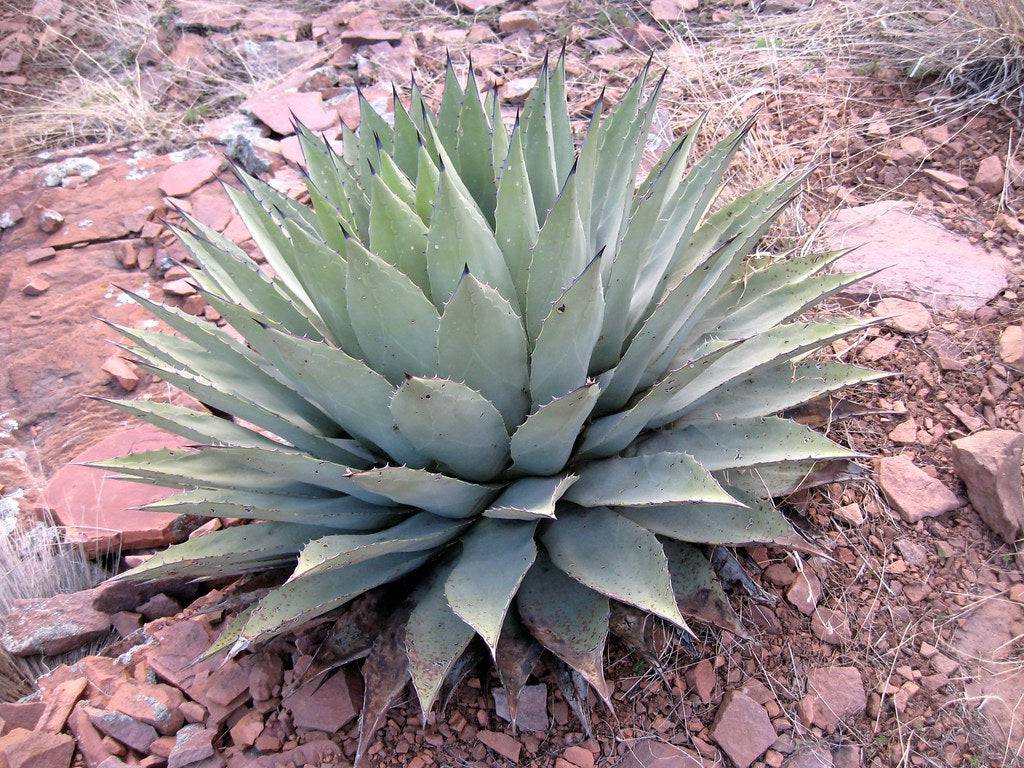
column 975, row 47
column 37, row 562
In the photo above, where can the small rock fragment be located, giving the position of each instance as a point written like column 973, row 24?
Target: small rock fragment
column 1011, row 346
column 532, row 714
column 878, row 348
column 742, row 729
column 34, row 749
column 248, row 728
column 514, row 21
column 990, row 175
column 53, row 625
column 501, row 743
column 904, row 316
column 580, row 757
column 672, row 10
column 805, row 591
column 850, row 514
column 123, row 372
column 156, row 705
column 127, row 730
column 912, row 492
column 904, row 433
column 840, row 695
column 989, row 464
column 189, row 175
column 325, row 707
column 945, row 178
column 37, row 286
column 50, row 221
column 702, row 678
column 192, row 744
column 831, row 626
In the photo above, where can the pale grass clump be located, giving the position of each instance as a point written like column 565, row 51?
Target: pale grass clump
column 36, row 562
column 976, row 47
column 108, row 81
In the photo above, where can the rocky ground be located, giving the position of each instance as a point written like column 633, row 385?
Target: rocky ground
column 899, row 648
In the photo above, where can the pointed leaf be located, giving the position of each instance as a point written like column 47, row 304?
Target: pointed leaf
column 538, row 146
column 459, row 236
column 396, row 325
column 297, row 601
column 515, row 658
column 385, row 673
column 757, row 523
column 495, row 556
column 657, row 478
column 557, row 259
column 453, row 424
column 435, row 638
column 561, row 355
column 417, row 533
column 746, row 442
column 574, row 626
column 515, row 226
column 779, row 388
column 322, row 273
column 541, row 446
column 698, row 592
column 614, row 556
column 337, row 512
column 228, row 551
column 476, row 166
column 480, row 341
column 357, row 397
column 442, row 495
column 530, row 498
column 398, row 235
column 201, row 426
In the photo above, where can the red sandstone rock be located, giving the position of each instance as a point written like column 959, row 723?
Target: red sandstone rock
column 189, row 175
column 123, row 372
column 989, row 464
column 275, row 110
column 248, row 728
column 532, row 714
column 912, row 492
column 671, row 10
column 742, row 728
column 99, row 512
column 59, row 704
column 88, row 740
column 127, row 730
column 37, row 286
column 156, row 705
column 501, row 743
column 839, row 694
column 16, row 715
column 325, row 707
column 35, row 749
column 53, row 625
column 702, row 679
column 192, row 744
column 365, row 29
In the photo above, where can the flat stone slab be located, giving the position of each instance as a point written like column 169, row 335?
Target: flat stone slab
column 920, row 259
column 101, row 513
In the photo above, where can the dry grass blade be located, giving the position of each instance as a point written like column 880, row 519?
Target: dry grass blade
column 975, row 46
column 37, row 562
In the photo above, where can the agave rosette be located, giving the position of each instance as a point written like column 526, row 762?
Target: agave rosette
column 496, row 372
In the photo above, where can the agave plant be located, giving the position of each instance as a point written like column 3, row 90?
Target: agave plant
column 496, row 372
